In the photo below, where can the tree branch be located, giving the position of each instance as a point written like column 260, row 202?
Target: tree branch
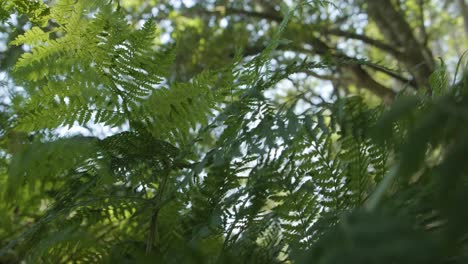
column 368, row 40
column 364, row 80
column 320, row 48
column 464, row 13
column 392, row 24
column 424, row 36
column 334, row 31
column 391, row 74
column 269, row 16
column 326, row 77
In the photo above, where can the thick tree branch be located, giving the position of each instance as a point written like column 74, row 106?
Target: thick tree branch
column 391, row 74
column 338, row 32
column 358, row 75
column 424, row 36
column 333, row 31
column 464, row 12
column 269, row 16
column 326, row 77
column 364, row 80
column 417, row 57
column 367, row 40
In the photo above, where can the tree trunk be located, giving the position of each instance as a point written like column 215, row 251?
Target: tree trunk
column 417, row 57
column 464, row 13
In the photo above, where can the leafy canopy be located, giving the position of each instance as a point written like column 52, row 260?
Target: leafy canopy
column 213, row 170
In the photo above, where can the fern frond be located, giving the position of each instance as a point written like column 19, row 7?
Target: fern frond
column 109, row 68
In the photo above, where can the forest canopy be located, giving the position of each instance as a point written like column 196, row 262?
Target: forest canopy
column 235, row 131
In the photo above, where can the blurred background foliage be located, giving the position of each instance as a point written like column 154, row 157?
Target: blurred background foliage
column 233, row 131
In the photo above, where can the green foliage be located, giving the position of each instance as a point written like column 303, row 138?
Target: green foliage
column 213, row 170
column 37, row 11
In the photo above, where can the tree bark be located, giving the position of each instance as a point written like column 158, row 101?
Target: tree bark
column 417, row 57
column 464, row 13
